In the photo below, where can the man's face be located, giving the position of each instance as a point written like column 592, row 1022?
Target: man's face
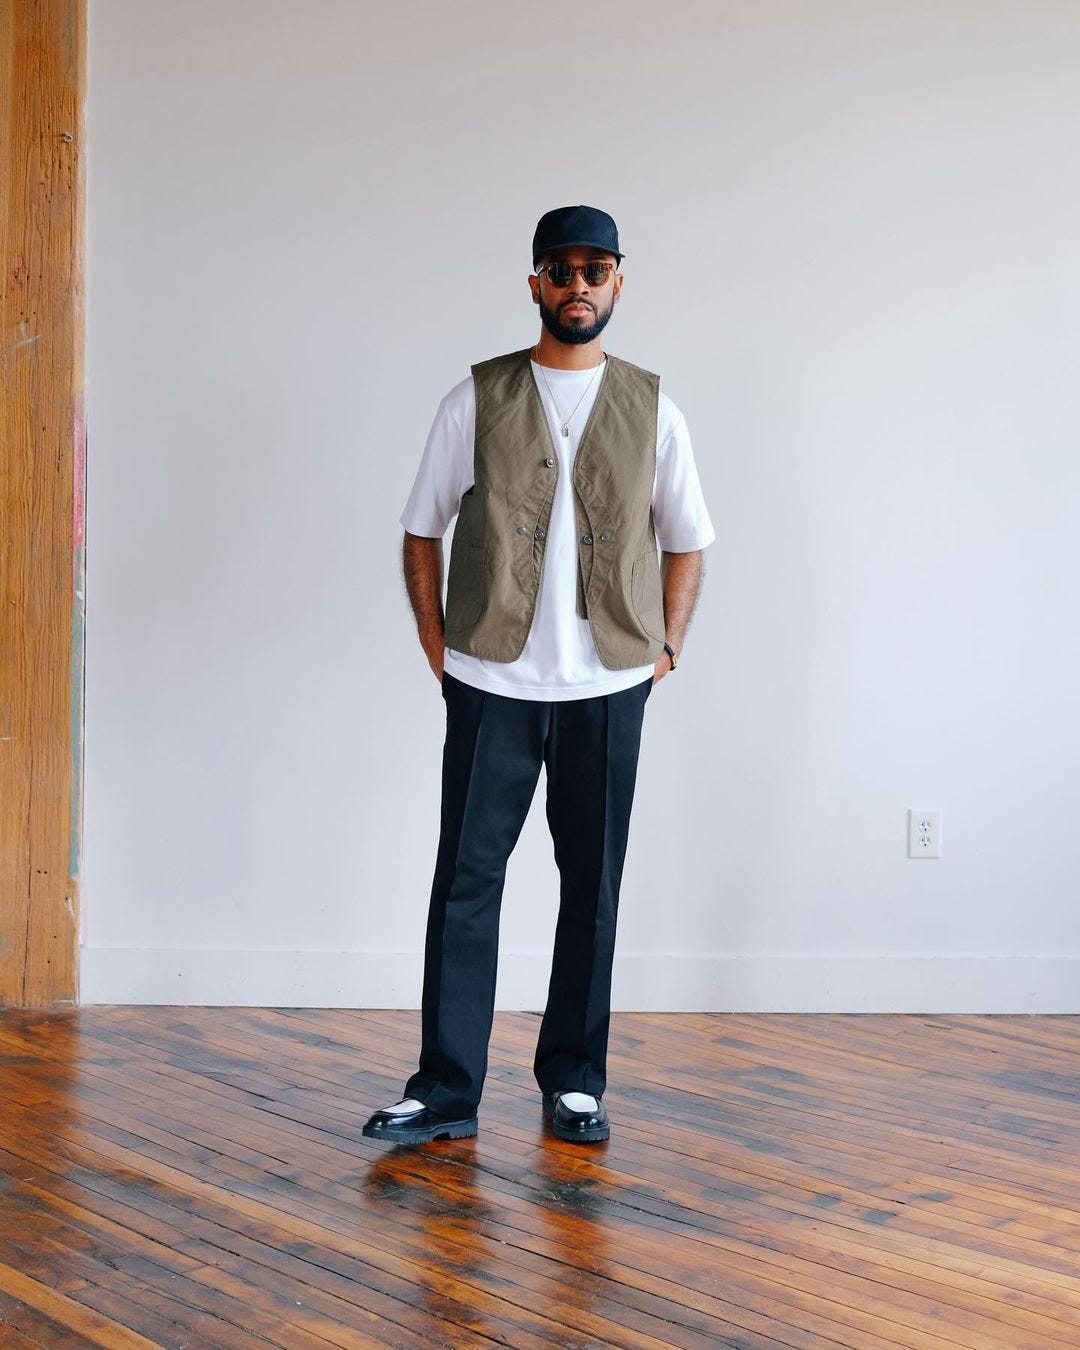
column 579, row 312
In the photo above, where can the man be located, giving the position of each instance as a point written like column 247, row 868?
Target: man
column 566, row 468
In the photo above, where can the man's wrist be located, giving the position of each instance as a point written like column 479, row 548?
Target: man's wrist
column 671, row 655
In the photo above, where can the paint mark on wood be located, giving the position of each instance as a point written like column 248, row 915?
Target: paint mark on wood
column 78, row 483
column 878, row 1216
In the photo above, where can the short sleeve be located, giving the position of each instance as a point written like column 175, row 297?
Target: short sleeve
column 680, row 516
column 446, row 466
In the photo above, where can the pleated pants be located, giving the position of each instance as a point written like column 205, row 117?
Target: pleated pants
column 492, row 756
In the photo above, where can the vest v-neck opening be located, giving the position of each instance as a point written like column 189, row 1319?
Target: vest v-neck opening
column 601, row 382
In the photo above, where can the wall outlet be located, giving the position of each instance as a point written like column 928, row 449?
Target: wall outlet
column 924, row 833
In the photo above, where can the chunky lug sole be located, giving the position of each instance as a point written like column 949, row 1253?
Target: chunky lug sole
column 580, row 1135
column 414, row 1134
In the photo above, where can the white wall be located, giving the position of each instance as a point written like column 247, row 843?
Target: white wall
column 852, row 253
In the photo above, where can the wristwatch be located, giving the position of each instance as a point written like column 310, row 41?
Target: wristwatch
column 671, row 655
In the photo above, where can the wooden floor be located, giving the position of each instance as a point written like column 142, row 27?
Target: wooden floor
column 197, row 1177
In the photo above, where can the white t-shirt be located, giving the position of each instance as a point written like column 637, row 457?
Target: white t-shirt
column 559, row 660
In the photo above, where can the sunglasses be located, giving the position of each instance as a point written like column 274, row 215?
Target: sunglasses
column 562, row 273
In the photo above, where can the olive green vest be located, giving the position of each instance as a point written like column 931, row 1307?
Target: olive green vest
column 501, row 529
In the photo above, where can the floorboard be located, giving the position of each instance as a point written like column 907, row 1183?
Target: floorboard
column 196, row 1177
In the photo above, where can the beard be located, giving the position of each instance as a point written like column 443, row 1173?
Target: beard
column 577, row 330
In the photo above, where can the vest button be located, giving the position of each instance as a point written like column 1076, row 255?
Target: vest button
column 549, row 462
column 522, row 530
column 605, row 537
column 586, row 538
column 539, row 534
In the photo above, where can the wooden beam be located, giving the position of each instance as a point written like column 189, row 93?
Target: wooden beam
column 42, row 477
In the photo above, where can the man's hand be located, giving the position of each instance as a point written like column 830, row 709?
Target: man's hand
column 436, row 655
column 661, row 668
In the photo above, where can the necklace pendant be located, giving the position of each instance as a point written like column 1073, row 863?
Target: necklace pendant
column 565, row 430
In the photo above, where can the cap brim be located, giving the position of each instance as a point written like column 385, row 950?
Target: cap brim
column 579, row 243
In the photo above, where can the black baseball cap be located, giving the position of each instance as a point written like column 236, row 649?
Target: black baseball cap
column 583, row 225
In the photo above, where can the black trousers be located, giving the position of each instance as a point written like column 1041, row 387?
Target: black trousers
column 491, row 762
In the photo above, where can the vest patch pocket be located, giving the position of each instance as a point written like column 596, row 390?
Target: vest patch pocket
column 647, row 593
column 466, row 584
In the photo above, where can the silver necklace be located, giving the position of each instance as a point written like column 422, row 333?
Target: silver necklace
column 564, row 422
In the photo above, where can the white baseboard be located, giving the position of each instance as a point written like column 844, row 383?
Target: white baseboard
column 971, row 982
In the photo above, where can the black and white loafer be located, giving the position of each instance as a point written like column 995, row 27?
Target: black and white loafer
column 583, row 1127
column 418, row 1127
